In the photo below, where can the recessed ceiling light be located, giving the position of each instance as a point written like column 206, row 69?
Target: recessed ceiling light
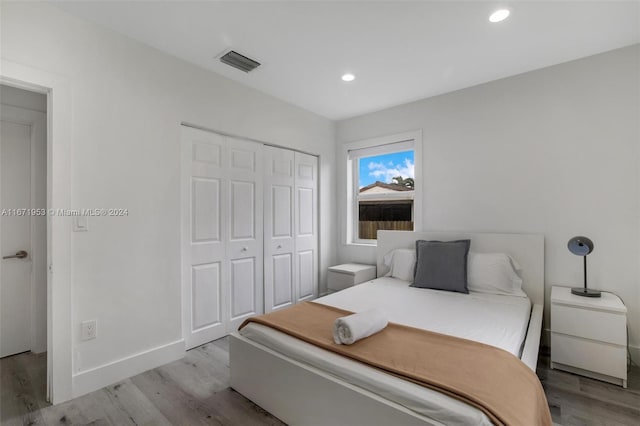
column 499, row 15
column 348, row 77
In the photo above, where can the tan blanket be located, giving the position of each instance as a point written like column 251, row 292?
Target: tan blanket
column 491, row 379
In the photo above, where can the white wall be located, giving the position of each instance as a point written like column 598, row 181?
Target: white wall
column 128, row 101
column 553, row 151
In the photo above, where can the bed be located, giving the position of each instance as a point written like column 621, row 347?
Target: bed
column 302, row 384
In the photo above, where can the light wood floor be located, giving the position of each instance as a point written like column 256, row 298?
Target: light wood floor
column 192, row 391
column 577, row 400
column 195, row 390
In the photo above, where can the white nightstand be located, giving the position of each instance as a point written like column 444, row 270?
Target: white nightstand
column 589, row 335
column 348, row 275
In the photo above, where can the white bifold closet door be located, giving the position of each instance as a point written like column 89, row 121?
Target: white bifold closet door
column 290, row 227
column 222, row 229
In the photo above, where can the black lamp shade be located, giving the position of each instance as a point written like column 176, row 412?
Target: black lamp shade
column 580, row 246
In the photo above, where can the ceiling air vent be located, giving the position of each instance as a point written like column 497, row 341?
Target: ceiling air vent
column 239, row 61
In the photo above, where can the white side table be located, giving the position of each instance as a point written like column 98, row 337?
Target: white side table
column 348, row 275
column 589, row 335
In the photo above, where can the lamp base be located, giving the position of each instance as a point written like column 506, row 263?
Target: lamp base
column 586, row 292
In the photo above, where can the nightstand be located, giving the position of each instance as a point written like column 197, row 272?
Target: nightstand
column 589, row 335
column 348, row 275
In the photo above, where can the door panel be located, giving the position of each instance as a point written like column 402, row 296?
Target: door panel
column 282, row 275
column 282, row 199
column 207, row 153
column 306, row 274
column 305, row 211
column 242, row 159
column 15, row 231
column 205, row 209
column 306, row 230
column 243, row 210
column 279, row 244
column 207, row 300
column 203, row 247
column 243, row 288
column 245, row 242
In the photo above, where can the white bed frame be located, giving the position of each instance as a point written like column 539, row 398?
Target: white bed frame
column 300, row 394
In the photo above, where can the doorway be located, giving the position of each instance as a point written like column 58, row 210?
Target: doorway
column 23, row 244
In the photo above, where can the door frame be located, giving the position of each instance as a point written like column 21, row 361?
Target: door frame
column 59, row 132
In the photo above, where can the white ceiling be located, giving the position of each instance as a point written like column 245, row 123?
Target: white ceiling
column 399, row 51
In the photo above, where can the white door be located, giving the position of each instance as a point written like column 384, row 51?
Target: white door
column 15, row 231
column 245, row 230
column 306, row 226
column 279, row 252
column 203, row 236
column 23, row 277
column 222, row 253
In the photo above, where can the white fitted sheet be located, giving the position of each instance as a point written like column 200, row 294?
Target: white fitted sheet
column 496, row 320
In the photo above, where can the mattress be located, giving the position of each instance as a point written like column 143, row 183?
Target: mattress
column 496, row 320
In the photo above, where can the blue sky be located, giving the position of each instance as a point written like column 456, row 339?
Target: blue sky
column 385, row 167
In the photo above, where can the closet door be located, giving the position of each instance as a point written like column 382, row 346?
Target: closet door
column 203, row 237
column 306, row 226
column 222, row 234
column 245, row 230
column 279, row 251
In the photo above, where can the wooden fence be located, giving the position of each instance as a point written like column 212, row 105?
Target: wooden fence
column 368, row 229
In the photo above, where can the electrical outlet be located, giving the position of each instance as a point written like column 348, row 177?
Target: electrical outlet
column 89, row 329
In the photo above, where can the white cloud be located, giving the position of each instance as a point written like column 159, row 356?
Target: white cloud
column 386, row 172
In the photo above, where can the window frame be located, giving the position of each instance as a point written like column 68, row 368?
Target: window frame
column 352, row 189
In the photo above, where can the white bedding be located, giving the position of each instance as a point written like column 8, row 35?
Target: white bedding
column 496, row 320
column 493, row 319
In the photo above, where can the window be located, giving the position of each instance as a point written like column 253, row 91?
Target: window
column 381, row 181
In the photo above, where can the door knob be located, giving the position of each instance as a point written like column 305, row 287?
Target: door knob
column 245, row 248
column 19, row 255
column 279, row 246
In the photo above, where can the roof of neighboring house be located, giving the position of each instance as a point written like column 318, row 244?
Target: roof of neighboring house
column 387, row 186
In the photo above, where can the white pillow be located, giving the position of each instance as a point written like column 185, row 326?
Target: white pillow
column 493, row 273
column 401, row 263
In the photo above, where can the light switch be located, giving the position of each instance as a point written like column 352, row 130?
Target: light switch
column 80, row 224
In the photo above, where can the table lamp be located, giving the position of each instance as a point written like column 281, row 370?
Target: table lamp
column 582, row 246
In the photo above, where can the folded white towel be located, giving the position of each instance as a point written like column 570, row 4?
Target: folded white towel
column 348, row 330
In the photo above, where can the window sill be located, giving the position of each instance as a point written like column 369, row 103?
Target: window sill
column 362, row 244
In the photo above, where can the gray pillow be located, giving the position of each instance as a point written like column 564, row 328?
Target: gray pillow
column 442, row 265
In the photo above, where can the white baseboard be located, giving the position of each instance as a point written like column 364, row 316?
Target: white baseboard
column 104, row 375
